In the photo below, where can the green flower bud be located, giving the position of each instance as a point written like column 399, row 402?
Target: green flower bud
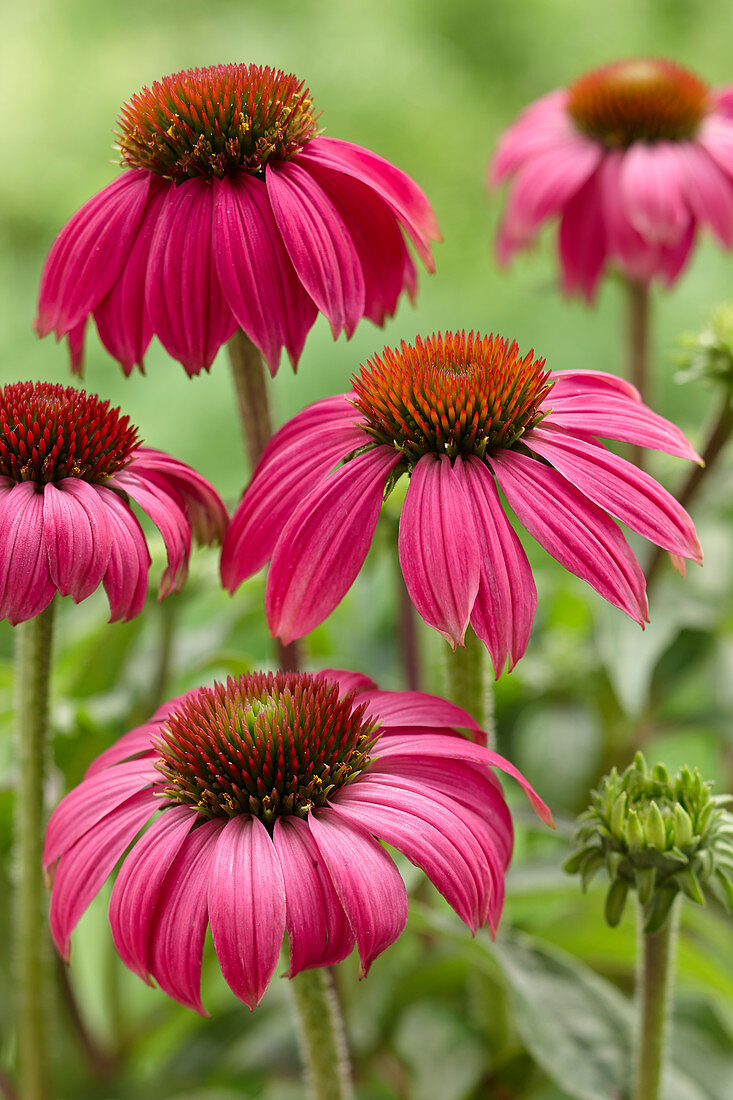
column 708, row 354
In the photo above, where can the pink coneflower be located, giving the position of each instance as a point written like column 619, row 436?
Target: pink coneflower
column 69, row 466
column 631, row 158
column 275, row 791
column 458, row 414
column 232, row 212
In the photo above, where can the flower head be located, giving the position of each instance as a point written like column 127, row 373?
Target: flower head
column 458, row 414
column 233, row 211
column 69, row 466
column 657, row 835
column 274, row 792
column 631, row 158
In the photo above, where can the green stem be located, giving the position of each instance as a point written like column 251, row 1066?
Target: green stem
column 33, row 661
column 250, row 382
column 469, row 686
column 167, row 614
column 654, row 981
column 321, row 1036
column 638, row 347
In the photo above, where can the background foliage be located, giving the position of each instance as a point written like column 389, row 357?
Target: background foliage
column 545, row 1012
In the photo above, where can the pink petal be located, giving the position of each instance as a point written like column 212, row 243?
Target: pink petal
column 84, row 867
column 26, row 587
column 715, row 136
column 543, row 125
column 188, row 310
column 126, row 579
column 415, row 708
column 708, row 190
column 257, row 277
column 637, row 257
column 247, row 907
column 319, row 245
column 347, row 680
column 134, row 743
column 170, row 520
column 573, row 529
column 583, row 240
column 77, row 536
column 366, row 880
column 650, row 192
column 176, row 938
column 323, row 546
column 438, row 549
column 621, row 488
column 318, row 931
column 122, row 317
column 394, row 186
column 139, row 882
column 504, row 610
column 204, row 508
column 615, row 417
column 89, row 253
column 588, row 383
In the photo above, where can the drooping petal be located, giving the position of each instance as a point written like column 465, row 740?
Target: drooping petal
column 89, row 253
column 84, row 867
column 126, row 579
column 137, row 888
column 170, row 520
column 582, row 240
column 319, row 245
column 319, row 933
column 624, row 490
column 246, row 907
column 189, row 312
column 707, row 189
column 587, row 383
column 575, row 531
column 256, row 274
column 650, row 192
column 612, row 416
column 133, row 744
column 438, row 549
column 542, row 125
column 504, row 610
column 176, row 938
column 715, row 136
column 204, row 508
column 77, row 536
column 636, row 257
column 26, row 587
column 367, row 882
column 324, row 544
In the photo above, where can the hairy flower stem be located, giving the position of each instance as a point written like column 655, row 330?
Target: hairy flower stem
column 30, row 948
column 637, row 297
column 719, row 436
column 468, row 685
column 654, row 981
column 321, row 1036
column 250, row 382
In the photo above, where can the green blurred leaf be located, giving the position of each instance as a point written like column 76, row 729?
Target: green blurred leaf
column 445, row 1059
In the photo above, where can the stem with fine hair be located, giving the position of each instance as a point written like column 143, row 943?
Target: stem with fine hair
column 654, row 981
column 33, row 640
column 637, row 297
column 321, row 1036
column 250, row 382
column 719, row 436
column 468, row 685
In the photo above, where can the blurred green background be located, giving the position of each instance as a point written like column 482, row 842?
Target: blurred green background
column 429, row 84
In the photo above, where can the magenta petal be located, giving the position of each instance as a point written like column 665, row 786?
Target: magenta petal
column 189, row 312
column 26, row 587
column 77, row 536
column 504, row 610
column 587, row 383
column 126, row 579
column 649, row 182
column 176, row 937
column 137, row 889
column 575, row 531
column 168, row 518
column 366, row 880
column 84, row 867
column 415, row 708
column 89, row 253
column 246, row 907
column 318, row 243
column 135, row 743
column 612, row 416
column 255, row 272
column 318, row 931
column 542, row 125
column 438, row 549
column 624, row 490
column 204, row 508
column 323, row 546
column 582, row 240
column 347, row 680
column 707, row 188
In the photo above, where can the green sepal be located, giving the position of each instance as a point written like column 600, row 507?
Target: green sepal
column 682, row 826
column 634, row 831
column 656, row 834
column 659, row 908
column 613, row 862
column 690, row 885
column 615, row 901
column 645, row 878
column 618, row 816
column 575, row 861
column 726, row 885
column 591, row 865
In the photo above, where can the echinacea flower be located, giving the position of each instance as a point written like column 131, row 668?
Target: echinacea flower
column 458, row 414
column 232, row 211
column 69, row 467
column 274, row 792
column 631, row 158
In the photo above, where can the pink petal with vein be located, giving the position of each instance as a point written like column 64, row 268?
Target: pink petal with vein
column 651, row 193
column 134, row 743
column 587, row 383
column 707, row 189
column 204, row 508
column 26, row 587
column 583, row 239
column 415, row 708
column 77, row 536
column 170, row 520
column 348, row 681
column 615, row 417
column 126, row 579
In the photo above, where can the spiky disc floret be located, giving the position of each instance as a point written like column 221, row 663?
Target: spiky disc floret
column 216, row 120
column 638, row 100
column 49, row 432
column 451, row 394
column 657, row 835
column 264, row 744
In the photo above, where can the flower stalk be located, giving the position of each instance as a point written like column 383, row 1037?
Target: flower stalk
column 321, row 1036
column 33, row 661
column 654, row 982
column 637, row 300
column 468, row 685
